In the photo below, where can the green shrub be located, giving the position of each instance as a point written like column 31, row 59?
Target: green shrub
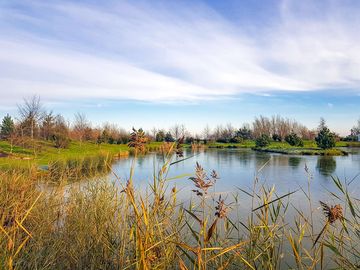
column 294, row 140
column 262, row 141
column 325, row 138
column 236, row 139
column 276, row 138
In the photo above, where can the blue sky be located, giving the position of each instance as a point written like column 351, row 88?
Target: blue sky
column 157, row 63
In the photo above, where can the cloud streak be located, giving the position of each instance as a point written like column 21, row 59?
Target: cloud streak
column 171, row 52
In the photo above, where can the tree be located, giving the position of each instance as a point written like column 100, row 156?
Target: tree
column 169, row 137
column 30, row 114
column 7, row 127
column 325, row 139
column 138, row 139
column 277, row 138
column 261, row 126
column 262, row 141
column 154, row 131
column 160, row 136
column 322, row 124
column 47, row 126
column 244, row 133
column 60, row 132
column 81, row 126
column 294, row 140
column 207, row 133
column 355, row 131
column 236, row 139
column 178, row 131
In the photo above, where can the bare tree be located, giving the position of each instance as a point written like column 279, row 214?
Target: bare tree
column 154, row 131
column 31, row 112
column 178, row 131
column 81, row 126
column 207, row 132
column 261, row 126
column 355, row 131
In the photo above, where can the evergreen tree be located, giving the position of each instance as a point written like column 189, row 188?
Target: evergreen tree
column 294, row 140
column 7, row 127
column 325, row 138
column 169, row 137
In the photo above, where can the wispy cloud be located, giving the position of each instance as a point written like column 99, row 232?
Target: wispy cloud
column 169, row 52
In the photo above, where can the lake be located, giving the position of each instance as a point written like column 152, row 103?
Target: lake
column 239, row 167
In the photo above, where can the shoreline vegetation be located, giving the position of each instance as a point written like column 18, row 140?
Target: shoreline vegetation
column 17, row 157
column 117, row 226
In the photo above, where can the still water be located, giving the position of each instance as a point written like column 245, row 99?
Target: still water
column 238, row 168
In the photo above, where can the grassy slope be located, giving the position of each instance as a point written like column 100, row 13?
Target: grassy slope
column 26, row 157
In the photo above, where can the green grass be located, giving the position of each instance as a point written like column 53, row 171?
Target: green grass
column 309, row 148
column 347, row 144
column 47, row 153
column 244, row 144
column 303, row 151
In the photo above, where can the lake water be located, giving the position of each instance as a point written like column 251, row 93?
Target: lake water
column 239, row 167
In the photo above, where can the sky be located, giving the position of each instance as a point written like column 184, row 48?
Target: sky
column 157, row 63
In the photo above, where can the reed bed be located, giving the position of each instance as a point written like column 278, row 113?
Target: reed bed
column 103, row 225
column 78, row 168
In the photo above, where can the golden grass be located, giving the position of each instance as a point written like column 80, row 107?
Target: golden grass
column 102, row 225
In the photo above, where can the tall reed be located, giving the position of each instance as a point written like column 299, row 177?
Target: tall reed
column 115, row 225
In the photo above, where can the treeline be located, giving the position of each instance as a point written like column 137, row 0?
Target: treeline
column 33, row 123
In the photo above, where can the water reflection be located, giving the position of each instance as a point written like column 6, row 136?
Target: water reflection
column 238, row 167
column 294, row 162
column 326, row 165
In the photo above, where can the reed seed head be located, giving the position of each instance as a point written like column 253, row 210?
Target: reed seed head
column 332, row 213
column 221, row 208
column 202, row 181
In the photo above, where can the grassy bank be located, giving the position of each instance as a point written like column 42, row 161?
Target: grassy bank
column 302, row 151
column 115, row 226
column 43, row 154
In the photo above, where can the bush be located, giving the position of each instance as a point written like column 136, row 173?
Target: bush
column 169, row 137
column 294, row 140
column 160, row 136
column 276, row 138
column 262, row 141
column 61, row 141
column 236, row 139
column 325, row 139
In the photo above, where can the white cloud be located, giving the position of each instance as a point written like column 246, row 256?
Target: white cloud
column 129, row 50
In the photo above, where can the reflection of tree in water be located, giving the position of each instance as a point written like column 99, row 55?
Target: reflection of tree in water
column 244, row 156
column 326, row 165
column 294, row 162
column 261, row 159
column 140, row 161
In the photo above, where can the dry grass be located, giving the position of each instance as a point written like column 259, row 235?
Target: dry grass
column 102, row 225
